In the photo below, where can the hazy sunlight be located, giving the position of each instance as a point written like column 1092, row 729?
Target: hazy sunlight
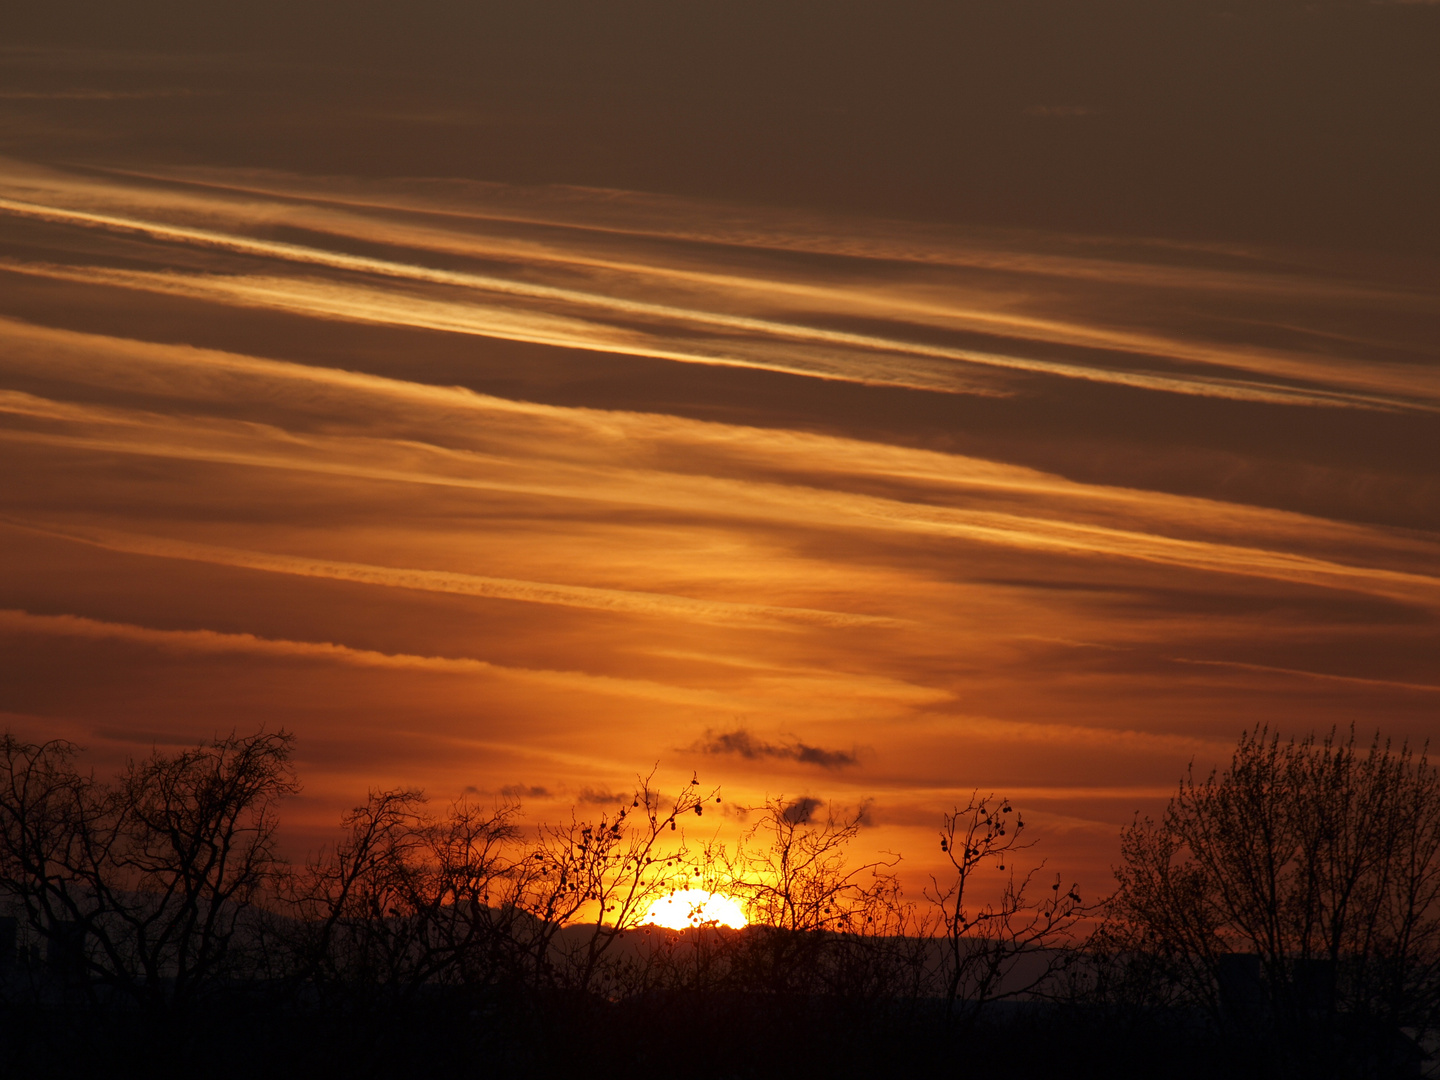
column 694, row 907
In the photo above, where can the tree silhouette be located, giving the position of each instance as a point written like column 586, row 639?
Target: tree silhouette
column 144, row 885
column 423, row 928
column 605, row 873
column 1318, row 858
column 1006, row 947
column 410, row 899
column 809, row 905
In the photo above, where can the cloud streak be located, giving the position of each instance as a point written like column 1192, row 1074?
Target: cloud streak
column 414, row 463
column 460, row 584
column 411, row 467
column 605, row 318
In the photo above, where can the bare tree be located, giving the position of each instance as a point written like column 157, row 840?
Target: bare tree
column 144, row 885
column 815, row 914
column 610, row 870
column 409, row 898
column 797, row 874
column 1317, row 858
column 1006, row 947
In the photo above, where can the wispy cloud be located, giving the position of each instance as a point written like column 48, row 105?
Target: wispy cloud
column 710, row 319
column 1146, row 494
column 213, row 642
column 128, row 432
column 447, row 581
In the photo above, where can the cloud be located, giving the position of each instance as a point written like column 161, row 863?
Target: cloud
column 538, row 592
column 1327, row 675
column 865, row 813
column 217, row 643
column 801, row 811
column 765, row 345
column 1023, row 592
column 679, row 318
column 746, row 745
column 601, row 797
column 1145, row 528
column 523, row 791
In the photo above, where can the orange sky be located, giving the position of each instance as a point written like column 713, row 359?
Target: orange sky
column 525, row 487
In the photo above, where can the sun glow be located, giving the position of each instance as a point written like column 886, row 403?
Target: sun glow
column 694, row 907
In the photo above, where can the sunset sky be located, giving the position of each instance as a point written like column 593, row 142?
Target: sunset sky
column 871, row 402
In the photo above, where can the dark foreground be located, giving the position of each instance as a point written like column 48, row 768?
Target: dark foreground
column 251, row 1033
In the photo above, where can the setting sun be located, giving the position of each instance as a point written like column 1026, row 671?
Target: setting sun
column 695, row 907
